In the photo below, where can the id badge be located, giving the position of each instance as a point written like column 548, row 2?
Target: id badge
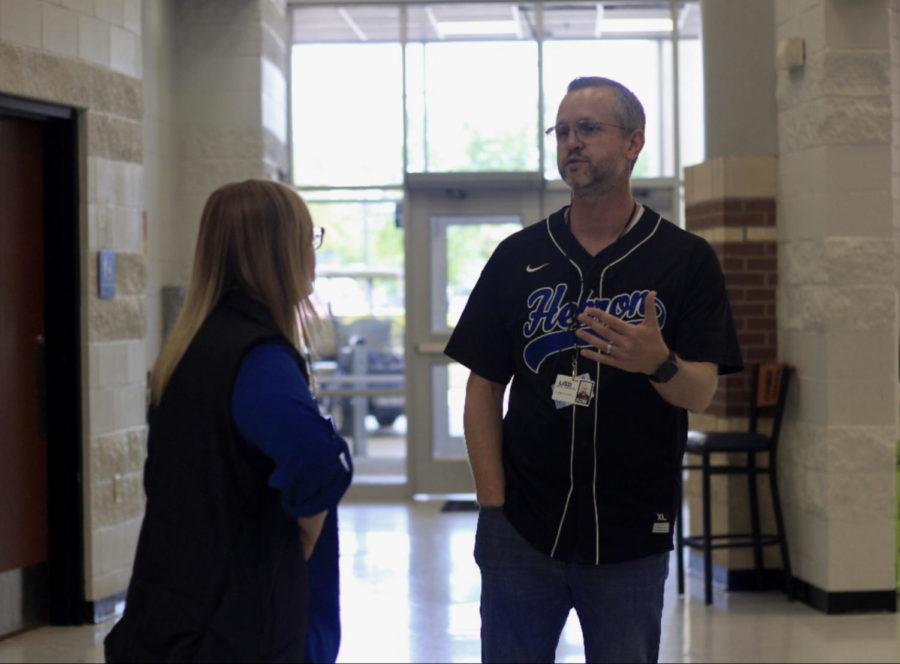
column 568, row 391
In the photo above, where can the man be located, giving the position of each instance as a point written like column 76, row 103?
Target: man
column 612, row 323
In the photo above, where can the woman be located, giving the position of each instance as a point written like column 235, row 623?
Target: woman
column 243, row 475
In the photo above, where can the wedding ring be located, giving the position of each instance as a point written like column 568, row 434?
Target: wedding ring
column 608, row 350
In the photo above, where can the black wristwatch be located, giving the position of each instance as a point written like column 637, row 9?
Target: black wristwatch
column 666, row 370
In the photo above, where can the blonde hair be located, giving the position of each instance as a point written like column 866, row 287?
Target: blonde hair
column 256, row 235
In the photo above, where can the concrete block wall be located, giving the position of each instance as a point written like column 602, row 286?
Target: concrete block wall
column 214, row 79
column 738, row 52
column 161, row 173
column 232, row 62
column 114, row 379
column 837, row 298
column 895, row 190
column 834, row 186
column 216, row 85
column 86, row 55
column 895, row 134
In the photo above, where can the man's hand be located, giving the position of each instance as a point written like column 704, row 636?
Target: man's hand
column 482, row 421
column 636, row 348
column 640, row 348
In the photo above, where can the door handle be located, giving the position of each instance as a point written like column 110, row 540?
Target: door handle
column 40, row 382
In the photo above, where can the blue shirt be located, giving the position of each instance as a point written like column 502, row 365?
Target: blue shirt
column 274, row 411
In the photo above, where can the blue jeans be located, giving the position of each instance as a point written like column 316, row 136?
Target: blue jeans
column 526, row 597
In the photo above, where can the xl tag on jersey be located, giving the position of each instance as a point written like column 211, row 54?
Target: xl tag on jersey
column 568, row 390
column 661, row 525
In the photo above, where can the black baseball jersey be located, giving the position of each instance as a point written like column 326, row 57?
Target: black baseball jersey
column 597, row 483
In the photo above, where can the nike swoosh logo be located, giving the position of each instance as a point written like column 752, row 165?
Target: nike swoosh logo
column 529, row 268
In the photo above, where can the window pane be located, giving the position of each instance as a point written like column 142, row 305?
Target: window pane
column 472, row 106
column 460, row 247
column 471, row 71
column 448, row 384
column 347, row 114
column 691, row 112
column 358, row 351
column 359, row 269
column 448, row 388
column 468, row 248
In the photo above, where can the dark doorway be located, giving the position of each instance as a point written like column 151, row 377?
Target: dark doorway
column 41, row 551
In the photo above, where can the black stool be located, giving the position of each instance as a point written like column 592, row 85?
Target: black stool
column 769, row 392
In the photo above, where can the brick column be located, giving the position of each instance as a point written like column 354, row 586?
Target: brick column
column 739, row 230
column 730, row 201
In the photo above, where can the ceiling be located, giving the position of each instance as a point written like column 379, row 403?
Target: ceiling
column 338, row 23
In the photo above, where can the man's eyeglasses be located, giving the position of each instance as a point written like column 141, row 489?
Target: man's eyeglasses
column 584, row 129
column 318, row 236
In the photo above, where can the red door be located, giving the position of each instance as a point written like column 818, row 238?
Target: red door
column 23, row 453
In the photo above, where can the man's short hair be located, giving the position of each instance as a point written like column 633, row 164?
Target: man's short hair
column 630, row 114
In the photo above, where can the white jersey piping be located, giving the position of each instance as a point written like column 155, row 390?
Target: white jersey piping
column 597, row 382
column 562, row 519
column 572, row 441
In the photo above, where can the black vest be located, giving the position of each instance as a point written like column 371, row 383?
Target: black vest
column 219, row 573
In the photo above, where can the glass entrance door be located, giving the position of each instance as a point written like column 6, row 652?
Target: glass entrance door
column 452, row 224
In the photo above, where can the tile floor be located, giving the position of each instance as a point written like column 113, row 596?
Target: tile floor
column 410, row 594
